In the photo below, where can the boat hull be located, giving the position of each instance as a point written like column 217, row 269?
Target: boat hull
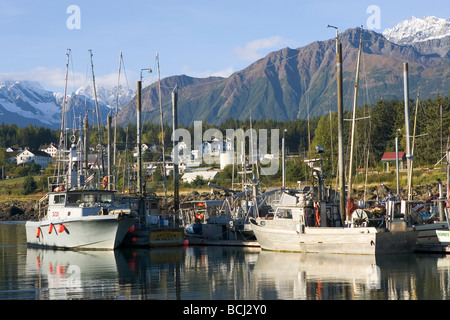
column 156, row 237
column 428, row 233
column 366, row 240
column 102, row 232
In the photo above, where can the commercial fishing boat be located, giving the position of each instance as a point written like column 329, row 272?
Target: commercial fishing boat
column 78, row 217
column 300, row 224
column 310, row 221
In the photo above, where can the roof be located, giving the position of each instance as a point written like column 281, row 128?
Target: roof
column 391, row 156
column 38, row 153
column 202, row 174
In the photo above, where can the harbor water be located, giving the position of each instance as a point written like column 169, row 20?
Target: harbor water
column 212, row 273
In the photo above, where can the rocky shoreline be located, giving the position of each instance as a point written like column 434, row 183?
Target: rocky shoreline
column 16, row 210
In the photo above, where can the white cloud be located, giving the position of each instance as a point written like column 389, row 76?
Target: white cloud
column 225, row 73
column 252, row 50
column 47, row 77
column 54, row 78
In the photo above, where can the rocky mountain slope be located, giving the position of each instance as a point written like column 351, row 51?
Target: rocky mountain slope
column 292, row 83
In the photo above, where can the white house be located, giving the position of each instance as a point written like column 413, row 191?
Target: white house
column 51, row 149
column 39, row 157
column 205, row 175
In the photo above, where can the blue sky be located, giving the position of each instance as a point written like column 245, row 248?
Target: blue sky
column 194, row 37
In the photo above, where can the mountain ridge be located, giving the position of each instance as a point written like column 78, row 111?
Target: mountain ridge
column 284, row 85
column 296, row 83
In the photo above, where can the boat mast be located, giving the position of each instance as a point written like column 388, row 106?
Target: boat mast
column 63, row 119
column 340, row 108
column 355, row 101
column 176, row 193
column 410, row 167
column 115, row 121
column 408, row 141
column 162, row 136
column 100, row 139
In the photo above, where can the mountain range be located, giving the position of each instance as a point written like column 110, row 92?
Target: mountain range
column 28, row 103
column 297, row 83
column 284, row 85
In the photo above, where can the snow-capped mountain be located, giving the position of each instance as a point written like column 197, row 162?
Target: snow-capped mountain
column 27, row 102
column 418, row 30
column 107, row 96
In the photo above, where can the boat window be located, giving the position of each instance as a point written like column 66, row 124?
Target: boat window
column 284, row 214
column 74, row 198
column 106, row 197
column 59, row 198
column 89, row 198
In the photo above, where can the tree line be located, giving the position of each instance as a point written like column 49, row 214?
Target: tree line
column 376, row 129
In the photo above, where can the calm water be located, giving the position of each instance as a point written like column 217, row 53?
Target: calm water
column 212, row 273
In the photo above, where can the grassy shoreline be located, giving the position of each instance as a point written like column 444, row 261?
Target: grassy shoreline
column 10, row 189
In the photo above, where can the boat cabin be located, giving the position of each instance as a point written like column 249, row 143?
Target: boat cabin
column 80, row 203
column 303, row 210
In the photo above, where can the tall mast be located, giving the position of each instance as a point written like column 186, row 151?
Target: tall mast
column 100, row 139
column 63, row 116
column 115, row 121
column 355, row 101
column 410, row 167
column 340, row 134
column 408, row 136
column 162, row 136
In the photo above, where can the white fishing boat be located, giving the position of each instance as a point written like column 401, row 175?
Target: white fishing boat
column 78, row 217
column 300, row 224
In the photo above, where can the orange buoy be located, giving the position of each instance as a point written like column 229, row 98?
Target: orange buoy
column 50, row 228
column 38, row 233
column 61, row 228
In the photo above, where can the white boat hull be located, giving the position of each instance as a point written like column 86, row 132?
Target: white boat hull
column 102, row 232
column 280, row 236
column 433, row 233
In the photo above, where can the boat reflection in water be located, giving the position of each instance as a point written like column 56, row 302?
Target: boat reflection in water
column 226, row 273
column 333, row 276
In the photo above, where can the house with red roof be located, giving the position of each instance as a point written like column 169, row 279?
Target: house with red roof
column 390, row 157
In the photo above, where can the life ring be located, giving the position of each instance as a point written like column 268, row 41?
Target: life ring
column 105, row 182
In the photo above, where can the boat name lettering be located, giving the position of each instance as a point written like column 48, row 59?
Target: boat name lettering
column 55, row 214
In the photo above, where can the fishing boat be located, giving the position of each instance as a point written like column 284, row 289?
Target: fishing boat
column 213, row 222
column 154, row 228
column 79, row 214
column 78, row 217
column 301, row 223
